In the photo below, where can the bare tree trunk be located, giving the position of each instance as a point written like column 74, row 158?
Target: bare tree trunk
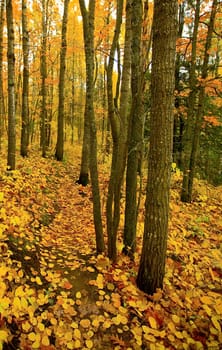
column 43, row 70
column 135, row 131
column 152, row 264
column 60, row 126
column 200, row 104
column 88, row 30
column 2, row 105
column 11, row 88
column 25, row 88
column 188, row 134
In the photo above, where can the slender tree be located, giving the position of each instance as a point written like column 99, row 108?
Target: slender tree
column 60, row 125
column 192, row 98
column 11, row 88
column 135, row 131
column 25, row 88
column 43, row 70
column 2, row 105
column 152, row 263
column 88, row 17
column 119, row 128
column 189, row 172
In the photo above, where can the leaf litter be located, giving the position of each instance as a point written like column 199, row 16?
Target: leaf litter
column 55, row 293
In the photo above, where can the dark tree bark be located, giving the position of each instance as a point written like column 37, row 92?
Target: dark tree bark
column 60, row 125
column 11, row 88
column 43, row 70
column 192, row 98
column 88, row 31
column 178, row 118
column 119, row 124
column 2, row 104
column 135, row 131
column 152, row 263
column 187, row 189
column 25, row 87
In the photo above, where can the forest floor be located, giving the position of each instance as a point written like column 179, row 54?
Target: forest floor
column 56, row 294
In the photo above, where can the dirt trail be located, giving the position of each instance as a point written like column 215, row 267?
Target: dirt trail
column 56, row 294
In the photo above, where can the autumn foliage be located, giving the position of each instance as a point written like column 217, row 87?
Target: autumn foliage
column 56, row 294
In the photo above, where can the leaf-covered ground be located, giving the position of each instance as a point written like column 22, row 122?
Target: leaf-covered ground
column 56, row 294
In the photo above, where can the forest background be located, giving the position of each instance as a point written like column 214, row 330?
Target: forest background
column 45, row 106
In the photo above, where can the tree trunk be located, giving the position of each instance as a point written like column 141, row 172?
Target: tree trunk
column 60, row 126
column 120, row 136
column 25, row 88
column 88, row 30
column 43, row 70
column 2, row 105
column 188, row 134
column 152, row 263
column 135, row 131
column 11, row 88
column 201, row 100
column 178, row 118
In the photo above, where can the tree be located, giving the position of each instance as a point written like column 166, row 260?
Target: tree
column 88, row 31
column 11, row 88
column 2, row 105
column 188, row 134
column 189, row 170
column 25, row 88
column 60, row 126
column 119, row 127
column 152, row 264
column 43, row 70
column 135, row 131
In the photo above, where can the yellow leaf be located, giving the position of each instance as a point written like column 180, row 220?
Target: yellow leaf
column 176, row 319
column 89, row 344
column 99, row 281
column 19, row 292
column 32, row 336
column 77, row 333
column 152, row 322
column 179, row 335
column 171, row 326
column 68, row 336
column 116, row 320
column 89, row 334
column 85, row 323
column 38, row 281
column 207, row 309
column 45, row 340
column 90, row 269
column 53, row 321
column 95, row 323
column 110, row 286
column 70, row 345
column 150, row 337
column 1, row 196
column 24, row 303
column 78, row 295
column 77, row 344
column 3, row 271
column 218, row 308
column 206, row 300
column 36, row 345
column 16, row 303
column 216, row 324
column 3, row 336
column 4, row 303
column 74, row 325
column 26, row 326
column 107, row 324
column 41, row 326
